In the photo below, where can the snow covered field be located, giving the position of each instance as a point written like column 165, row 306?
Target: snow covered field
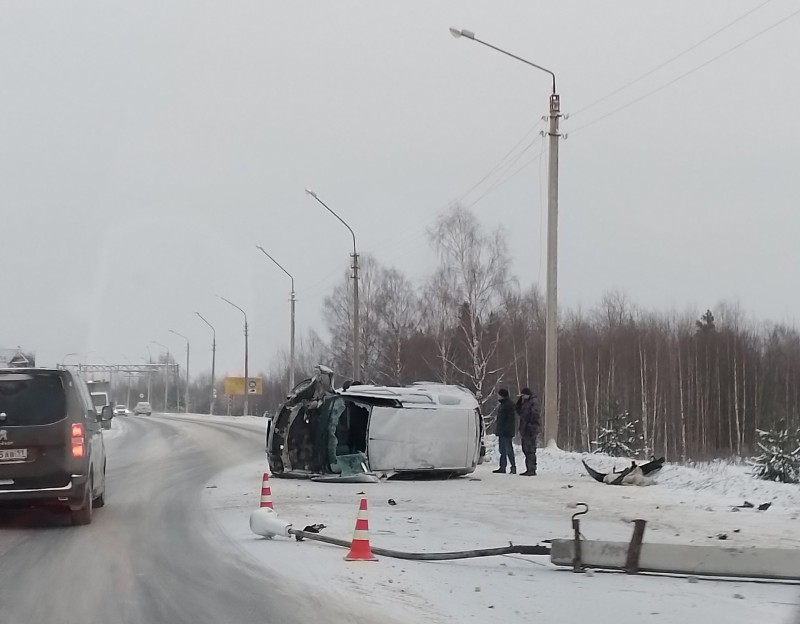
column 688, row 506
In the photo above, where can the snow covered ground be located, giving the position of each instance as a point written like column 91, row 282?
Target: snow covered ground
column 687, row 506
column 117, row 428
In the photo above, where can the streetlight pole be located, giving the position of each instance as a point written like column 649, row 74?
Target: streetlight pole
column 356, row 330
column 246, row 372
column 149, row 373
column 292, row 299
column 186, row 389
column 149, row 378
column 166, row 373
column 213, row 362
column 130, row 375
column 551, row 336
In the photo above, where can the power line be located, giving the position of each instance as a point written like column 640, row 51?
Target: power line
column 499, row 169
column 670, row 60
column 494, row 169
column 498, row 183
column 690, row 72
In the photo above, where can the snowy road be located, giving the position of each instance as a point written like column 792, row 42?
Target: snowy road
column 152, row 555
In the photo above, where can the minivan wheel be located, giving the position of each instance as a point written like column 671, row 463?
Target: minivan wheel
column 84, row 514
column 100, row 501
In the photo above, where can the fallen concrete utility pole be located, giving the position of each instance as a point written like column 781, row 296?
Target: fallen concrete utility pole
column 579, row 554
column 636, row 556
column 772, row 563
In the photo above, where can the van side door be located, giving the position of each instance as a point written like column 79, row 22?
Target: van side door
column 94, row 432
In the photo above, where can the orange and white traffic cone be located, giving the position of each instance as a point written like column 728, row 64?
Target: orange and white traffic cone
column 266, row 492
column 359, row 548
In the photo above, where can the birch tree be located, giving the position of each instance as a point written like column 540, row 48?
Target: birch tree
column 477, row 263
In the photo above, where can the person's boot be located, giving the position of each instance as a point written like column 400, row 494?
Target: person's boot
column 499, row 471
column 527, row 473
column 513, row 470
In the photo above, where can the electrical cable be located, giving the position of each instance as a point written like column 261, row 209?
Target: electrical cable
column 431, row 556
column 690, row 72
column 670, row 60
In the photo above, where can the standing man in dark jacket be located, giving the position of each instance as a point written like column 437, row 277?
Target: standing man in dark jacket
column 505, row 428
column 528, row 410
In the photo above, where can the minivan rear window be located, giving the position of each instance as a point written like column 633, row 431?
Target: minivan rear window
column 31, row 399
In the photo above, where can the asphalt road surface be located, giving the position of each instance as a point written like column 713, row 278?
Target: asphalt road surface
column 152, row 555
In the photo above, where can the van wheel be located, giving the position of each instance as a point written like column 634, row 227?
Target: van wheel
column 83, row 515
column 100, row 501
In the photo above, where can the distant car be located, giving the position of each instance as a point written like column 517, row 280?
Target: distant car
column 51, row 442
column 142, row 409
column 120, row 410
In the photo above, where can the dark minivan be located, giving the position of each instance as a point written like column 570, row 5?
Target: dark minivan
column 51, row 442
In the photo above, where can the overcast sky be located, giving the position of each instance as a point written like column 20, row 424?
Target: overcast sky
column 146, row 147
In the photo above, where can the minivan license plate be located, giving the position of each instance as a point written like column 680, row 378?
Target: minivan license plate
column 13, row 454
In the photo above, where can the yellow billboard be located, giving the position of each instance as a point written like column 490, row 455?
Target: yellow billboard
column 235, row 386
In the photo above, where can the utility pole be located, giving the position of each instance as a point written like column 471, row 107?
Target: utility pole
column 354, row 255
column 186, row 389
column 166, row 372
column 246, row 373
column 292, row 299
column 551, row 336
column 356, row 320
column 551, row 315
column 246, row 370
column 213, row 362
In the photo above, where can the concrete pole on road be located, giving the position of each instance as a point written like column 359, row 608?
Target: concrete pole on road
column 292, row 299
column 186, row 389
column 551, row 335
column 356, row 320
column 213, row 362
column 246, row 371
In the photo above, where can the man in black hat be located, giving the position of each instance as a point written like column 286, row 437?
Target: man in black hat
column 528, row 410
column 505, row 428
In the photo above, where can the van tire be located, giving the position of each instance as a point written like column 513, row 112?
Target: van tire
column 100, row 501
column 83, row 516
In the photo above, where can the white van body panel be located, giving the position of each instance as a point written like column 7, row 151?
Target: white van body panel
column 411, row 438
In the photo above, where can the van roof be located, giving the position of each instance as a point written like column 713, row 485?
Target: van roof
column 419, row 394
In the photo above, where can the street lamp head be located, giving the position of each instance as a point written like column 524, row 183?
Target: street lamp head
column 312, row 193
column 462, row 33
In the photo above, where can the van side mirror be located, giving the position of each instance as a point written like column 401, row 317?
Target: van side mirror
column 107, row 413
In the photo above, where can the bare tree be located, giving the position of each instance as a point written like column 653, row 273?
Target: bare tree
column 398, row 310
column 439, row 309
column 478, row 264
column 338, row 313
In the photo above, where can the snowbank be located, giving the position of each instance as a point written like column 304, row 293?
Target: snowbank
column 718, row 477
column 118, row 427
column 487, row 510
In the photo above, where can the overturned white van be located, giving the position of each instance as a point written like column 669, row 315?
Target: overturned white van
column 328, row 434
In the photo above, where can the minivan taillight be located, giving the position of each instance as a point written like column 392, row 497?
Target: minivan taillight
column 78, row 439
